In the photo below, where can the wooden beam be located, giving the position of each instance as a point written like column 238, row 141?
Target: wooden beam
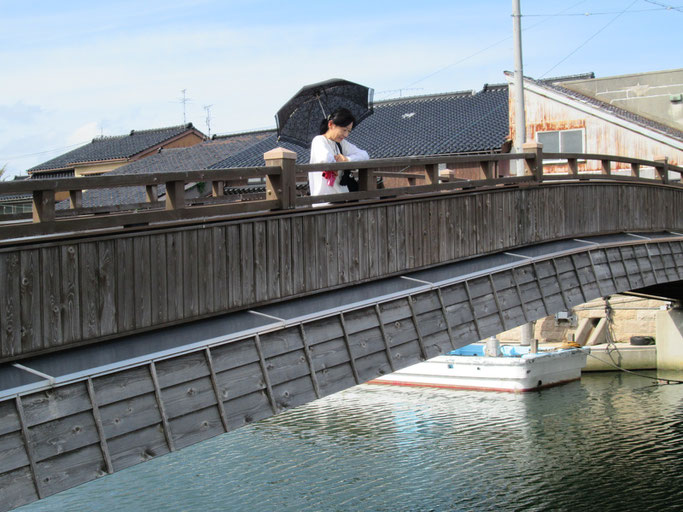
column 151, row 193
column 175, row 195
column 75, row 199
column 43, row 205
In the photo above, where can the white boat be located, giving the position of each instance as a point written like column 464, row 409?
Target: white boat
column 515, row 369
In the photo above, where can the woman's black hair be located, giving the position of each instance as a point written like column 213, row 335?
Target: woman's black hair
column 341, row 117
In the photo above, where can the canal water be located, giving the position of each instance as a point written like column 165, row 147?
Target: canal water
column 612, row 441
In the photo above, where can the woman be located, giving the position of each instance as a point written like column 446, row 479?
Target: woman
column 325, row 148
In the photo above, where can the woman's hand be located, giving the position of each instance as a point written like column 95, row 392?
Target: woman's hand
column 340, row 158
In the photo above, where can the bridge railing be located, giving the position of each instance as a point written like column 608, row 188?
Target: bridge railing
column 281, row 174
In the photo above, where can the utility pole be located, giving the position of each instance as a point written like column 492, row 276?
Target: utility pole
column 520, row 121
column 520, row 118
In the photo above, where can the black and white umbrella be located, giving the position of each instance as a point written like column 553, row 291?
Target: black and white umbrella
column 298, row 121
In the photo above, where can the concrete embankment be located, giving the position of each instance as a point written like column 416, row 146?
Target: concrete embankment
column 622, row 355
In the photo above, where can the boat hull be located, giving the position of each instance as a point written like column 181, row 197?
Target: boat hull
column 516, row 374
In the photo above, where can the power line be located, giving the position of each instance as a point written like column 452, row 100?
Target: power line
column 44, row 152
column 668, row 7
column 664, row 8
column 589, row 39
column 483, row 49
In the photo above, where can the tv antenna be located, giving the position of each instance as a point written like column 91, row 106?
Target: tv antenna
column 207, row 108
column 184, row 100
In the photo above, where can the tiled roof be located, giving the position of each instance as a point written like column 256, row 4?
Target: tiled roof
column 193, row 158
column 617, row 111
column 423, row 125
column 101, row 149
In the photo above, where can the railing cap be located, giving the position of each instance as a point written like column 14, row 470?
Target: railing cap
column 279, row 154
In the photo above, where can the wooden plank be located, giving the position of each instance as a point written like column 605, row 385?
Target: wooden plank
column 326, row 264
column 142, row 290
column 247, row 263
column 17, row 488
column 234, row 265
column 272, row 259
column 187, row 397
column 62, row 435
column 10, row 304
column 51, row 296
column 88, row 286
column 30, row 301
column 286, row 267
column 220, row 259
column 206, row 279
column 298, row 260
column 71, row 469
column 181, row 369
column 9, row 417
column 58, row 402
column 123, row 385
column 106, row 275
column 190, row 273
column 260, row 262
column 139, row 446
column 129, row 415
column 196, row 426
column 125, row 283
column 158, row 278
column 12, row 452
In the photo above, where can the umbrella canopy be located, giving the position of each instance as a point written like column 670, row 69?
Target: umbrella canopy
column 298, row 121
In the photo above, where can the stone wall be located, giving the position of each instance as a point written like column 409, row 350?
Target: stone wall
column 632, row 316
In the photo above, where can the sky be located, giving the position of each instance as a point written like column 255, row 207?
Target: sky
column 75, row 70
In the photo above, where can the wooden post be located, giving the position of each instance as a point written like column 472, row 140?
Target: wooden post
column 367, row 179
column 573, row 166
column 43, row 205
column 432, row 174
column 606, row 167
column 487, row 169
column 151, row 193
column 635, row 170
column 533, row 166
column 662, row 168
column 75, row 199
column 281, row 186
column 175, row 195
column 217, row 188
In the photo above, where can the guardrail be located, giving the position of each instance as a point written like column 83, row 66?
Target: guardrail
column 280, row 174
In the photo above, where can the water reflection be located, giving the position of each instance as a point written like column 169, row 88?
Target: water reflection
column 609, row 442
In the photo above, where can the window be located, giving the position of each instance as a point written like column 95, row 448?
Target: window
column 565, row 141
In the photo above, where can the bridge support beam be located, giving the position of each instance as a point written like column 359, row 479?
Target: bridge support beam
column 669, row 332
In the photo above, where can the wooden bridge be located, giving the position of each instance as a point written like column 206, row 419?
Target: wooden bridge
column 127, row 334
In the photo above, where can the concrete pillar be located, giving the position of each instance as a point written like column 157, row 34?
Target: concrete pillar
column 669, row 333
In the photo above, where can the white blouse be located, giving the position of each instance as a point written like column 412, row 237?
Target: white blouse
column 323, row 151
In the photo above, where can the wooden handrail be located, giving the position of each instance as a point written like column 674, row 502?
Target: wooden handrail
column 279, row 174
